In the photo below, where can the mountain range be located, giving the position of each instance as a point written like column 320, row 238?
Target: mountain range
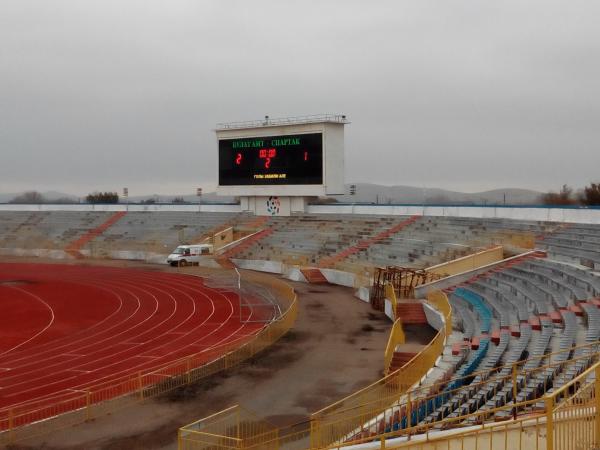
column 364, row 193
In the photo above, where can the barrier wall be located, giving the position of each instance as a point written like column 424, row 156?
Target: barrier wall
column 210, row 207
column 453, row 280
column 544, row 214
column 573, row 215
column 468, row 262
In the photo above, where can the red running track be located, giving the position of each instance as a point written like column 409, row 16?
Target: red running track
column 66, row 330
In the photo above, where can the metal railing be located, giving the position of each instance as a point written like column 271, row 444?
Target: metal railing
column 344, row 417
column 296, row 120
column 397, row 337
column 422, row 398
column 330, row 424
column 35, row 419
column 566, row 419
column 366, row 415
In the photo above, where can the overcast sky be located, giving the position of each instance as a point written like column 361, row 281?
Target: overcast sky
column 464, row 95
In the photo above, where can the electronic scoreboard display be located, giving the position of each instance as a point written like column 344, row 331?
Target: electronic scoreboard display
column 268, row 160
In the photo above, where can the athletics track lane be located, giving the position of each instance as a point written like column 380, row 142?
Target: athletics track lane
column 110, row 324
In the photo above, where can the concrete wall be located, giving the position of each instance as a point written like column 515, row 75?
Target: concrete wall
column 421, row 291
column 339, row 277
column 573, row 215
column 468, row 262
column 259, row 265
column 490, row 212
column 125, row 207
column 434, row 317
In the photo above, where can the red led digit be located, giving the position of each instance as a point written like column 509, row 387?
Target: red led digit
column 238, row 159
column 262, row 153
column 267, row 163
column 305, row 156
column 272, row 153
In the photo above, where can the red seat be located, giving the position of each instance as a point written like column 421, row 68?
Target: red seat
column 535, row 323
column 496, row 337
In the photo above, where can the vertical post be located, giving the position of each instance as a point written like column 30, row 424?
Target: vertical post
column 514, row 390
column 188, row 368
column 408, row 413
column 597, row 412
column 549, row 422
column 140, row 386
column 11, row 425
column 88, row 409
column 239, row 290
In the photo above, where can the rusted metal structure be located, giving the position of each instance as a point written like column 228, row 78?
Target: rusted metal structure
column 403, row 279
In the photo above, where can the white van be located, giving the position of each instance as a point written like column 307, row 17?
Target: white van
column 189, row 254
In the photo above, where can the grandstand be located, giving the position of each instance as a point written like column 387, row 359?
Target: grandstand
column 513, row 335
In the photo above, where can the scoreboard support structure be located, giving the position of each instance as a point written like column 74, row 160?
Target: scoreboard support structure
column 275, row 165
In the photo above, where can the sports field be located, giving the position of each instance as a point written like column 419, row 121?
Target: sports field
column 77, row 334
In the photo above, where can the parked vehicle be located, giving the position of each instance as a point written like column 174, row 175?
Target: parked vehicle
column 185, row 255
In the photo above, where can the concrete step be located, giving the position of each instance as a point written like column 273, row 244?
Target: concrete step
column 313, row 275
column 411, row 313
column 400, row 359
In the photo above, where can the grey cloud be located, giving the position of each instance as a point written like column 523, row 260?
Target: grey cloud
column 464, row 95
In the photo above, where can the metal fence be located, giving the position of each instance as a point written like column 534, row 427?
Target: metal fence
column 331, row 424
column 554, row 418
column 23, row 422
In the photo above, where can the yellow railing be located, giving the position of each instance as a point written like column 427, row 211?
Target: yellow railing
column 423, row 396
column 390, row 294
column 31, row 420
column 396, row 338
column 363, row 416
column 339, row 421
column 335, row 422
column 566, row 419
column 331, row 424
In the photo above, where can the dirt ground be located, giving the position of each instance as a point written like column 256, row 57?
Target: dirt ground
column 336, row 347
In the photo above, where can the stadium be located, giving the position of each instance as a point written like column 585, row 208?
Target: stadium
column 465, row 326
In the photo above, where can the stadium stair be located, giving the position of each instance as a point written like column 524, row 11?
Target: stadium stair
column 251, row 240
column 411, row 313
column 331, row 261
column 400, row 359
column 74, row 247
column 225, row 263
column 314, row 275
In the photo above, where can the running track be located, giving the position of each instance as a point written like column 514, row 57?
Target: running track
column 67, row 329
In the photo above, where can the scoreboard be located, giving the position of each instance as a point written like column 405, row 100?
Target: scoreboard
column 290, row 159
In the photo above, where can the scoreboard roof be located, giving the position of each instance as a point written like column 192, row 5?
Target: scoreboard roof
column 297, row 120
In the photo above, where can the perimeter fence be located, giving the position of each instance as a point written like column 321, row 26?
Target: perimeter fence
column 38, row 418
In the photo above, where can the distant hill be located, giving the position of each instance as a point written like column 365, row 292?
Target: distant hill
column 51, row 196
column 365, row 193
column 375, row 193
column 48, row 195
